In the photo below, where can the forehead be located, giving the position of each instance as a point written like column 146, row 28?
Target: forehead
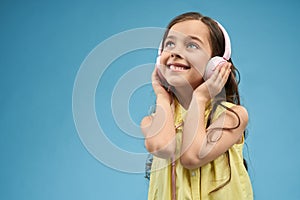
column 192, row 28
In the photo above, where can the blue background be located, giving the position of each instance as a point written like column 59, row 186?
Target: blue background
column 42, row 45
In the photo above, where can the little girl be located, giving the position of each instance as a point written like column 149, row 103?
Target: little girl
column 196, row 134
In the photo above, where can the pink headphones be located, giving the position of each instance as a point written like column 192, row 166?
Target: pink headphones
column 214, row 62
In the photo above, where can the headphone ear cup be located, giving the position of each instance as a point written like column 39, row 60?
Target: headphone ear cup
column 211, row 66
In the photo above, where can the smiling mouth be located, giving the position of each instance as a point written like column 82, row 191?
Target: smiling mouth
column 178, row 67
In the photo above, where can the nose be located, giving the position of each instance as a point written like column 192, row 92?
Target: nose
column 175, row 53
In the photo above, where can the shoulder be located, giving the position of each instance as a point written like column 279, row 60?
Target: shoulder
column 238, row 109
column 231, row 108
column 242, row 112
column 232, row 115
column 237, row 119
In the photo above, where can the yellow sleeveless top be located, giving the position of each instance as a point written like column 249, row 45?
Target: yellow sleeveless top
column 204, row 183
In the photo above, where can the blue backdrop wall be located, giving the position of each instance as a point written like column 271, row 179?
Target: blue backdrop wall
column 43, row 45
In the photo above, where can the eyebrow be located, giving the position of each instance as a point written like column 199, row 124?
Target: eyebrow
column 196, row 38
column 171, row 37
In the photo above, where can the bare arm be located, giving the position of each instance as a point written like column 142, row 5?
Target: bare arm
column 158, row 128
column 201, row 145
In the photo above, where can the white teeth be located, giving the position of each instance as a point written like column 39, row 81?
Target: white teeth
column 176, row 68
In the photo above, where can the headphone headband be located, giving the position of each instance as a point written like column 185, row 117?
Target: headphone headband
column 227, row 52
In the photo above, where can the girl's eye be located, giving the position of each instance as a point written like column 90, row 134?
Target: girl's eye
column 169, row 44
column 193, row 46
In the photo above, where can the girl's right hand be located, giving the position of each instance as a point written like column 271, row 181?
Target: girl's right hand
column 158, row 85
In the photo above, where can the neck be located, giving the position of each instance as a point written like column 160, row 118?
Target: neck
column 184, row 96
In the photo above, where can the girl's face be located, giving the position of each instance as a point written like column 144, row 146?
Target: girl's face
column 186, row 51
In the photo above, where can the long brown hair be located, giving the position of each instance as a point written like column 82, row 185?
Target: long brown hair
column 217, row 44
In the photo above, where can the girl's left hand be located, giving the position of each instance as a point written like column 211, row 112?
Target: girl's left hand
column 214, row 85
column 159, row 84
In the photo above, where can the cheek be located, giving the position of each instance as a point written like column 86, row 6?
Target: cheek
column 160, row 64
column 199, row 64
column 164, row 57
column 163, row 61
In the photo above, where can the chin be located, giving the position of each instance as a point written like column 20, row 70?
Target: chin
column 178, row 82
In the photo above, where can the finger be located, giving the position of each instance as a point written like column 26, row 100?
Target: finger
column 219, row 71
column 226, row 76
column 155, row 78
column 155, row 74
column 221, row 78
column 222, row 72
column 214, row 76
column 227, row 69
column 219, row 75
column 223, row 69
column 227, row 72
